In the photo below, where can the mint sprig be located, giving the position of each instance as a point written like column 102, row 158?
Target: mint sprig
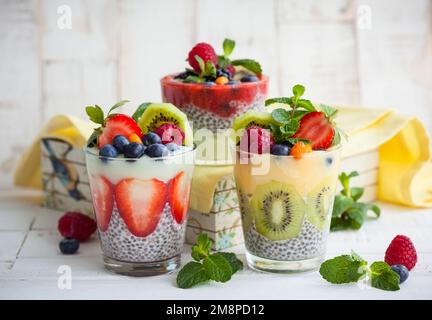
column 351, row 268
column 248, row 64
column 348, row 212
column 219, row 267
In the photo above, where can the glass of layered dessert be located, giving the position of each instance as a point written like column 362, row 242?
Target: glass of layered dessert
column 286, row 174
column 216, row 89
column 140, row 170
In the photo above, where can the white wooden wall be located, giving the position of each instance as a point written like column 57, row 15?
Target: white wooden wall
column 119, row 49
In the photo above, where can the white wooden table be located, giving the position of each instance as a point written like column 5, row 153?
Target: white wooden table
column 29, row 262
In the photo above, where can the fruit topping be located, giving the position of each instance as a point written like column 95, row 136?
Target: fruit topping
column 76, row 225
column 249, row 78
column 68, row 245
column 135, row 138
column 169, row 132
column 222, row 80
column 108, row 151
column 118, row 124
column 157, row 150
column 140, row 204
column 402, row 271
column 151, row 138
column 278, row 211
column 280, row 150
column 299, row 149
column 316, row 128
column 134, row 150
column 401, row 251
column 256, row 140
column 172, row 146
column 103, row 201
column 119, row 142
column 178, row 196
column 205, row 52
column 232, row 83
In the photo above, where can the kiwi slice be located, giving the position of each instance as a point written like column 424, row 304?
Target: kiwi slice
column 157, row 114
column 278, row 210
column 253, row 118
column 319, row 202
column 246, row 213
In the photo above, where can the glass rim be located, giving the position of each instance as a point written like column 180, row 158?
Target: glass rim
column 331, row 150
column 169, row 80
column 89, row 151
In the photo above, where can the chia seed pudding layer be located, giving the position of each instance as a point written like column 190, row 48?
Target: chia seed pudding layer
column 165, row 242
column 310, row 243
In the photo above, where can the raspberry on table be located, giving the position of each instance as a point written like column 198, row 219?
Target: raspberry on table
column 76, row 225
column 401, row 251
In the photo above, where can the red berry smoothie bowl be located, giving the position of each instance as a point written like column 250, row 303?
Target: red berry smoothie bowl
column 214, row 106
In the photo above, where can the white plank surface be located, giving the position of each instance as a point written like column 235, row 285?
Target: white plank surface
column 29, row 269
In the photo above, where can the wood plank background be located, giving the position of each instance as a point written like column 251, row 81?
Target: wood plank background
column 352, row 52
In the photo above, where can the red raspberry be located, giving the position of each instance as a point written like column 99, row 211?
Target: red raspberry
column 401, row 251
column 169, row 132
column 231, row 70
column 256, row 140
column 76, row 225
column 205, row 52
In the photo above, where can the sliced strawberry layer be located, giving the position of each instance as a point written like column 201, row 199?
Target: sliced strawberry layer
column 178, row 196
column 223, row 101
column 103, row 200
column 118, row 124
column 316, row 128
column 140, row 204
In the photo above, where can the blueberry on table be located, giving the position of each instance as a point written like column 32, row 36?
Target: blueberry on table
column 401, row 270
column 280, row 150
column 119, row 142
column 68, row 245
column 249, row 78
column 108, row 151
column 151, row 138
column 157, row 150
column 133, row 150
column 172, row 146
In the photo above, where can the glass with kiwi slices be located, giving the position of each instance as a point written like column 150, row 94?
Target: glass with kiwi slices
column 286, row 174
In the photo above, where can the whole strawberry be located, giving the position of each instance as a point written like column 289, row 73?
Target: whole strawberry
column 76, row 225
column 205, row 52
column 401, row 251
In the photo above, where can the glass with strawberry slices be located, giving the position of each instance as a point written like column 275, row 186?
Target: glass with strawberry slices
column 286, row 173
column 140, row 170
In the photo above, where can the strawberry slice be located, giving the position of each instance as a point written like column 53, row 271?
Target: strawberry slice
column 316, row 128
column 178, row 196
column 118, row 124
column 140, row 204
column 103, row 201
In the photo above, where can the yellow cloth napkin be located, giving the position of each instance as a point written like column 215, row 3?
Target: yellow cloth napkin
column 28, row 172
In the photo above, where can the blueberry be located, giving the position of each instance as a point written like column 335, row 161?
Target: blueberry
column 172, row 146
column 108, row 151
column 69, row 245
column 249, row 78
column 119, row 142
column 133, row 150
column 231, row 83
column 157, row 150
column 280, row 150
column 208, row 83
column 401, row 270
column 151, row 138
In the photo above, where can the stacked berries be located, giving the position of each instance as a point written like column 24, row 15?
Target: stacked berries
column 165, row 139
column 210, row 69
column 75, row 227
column 401, row 255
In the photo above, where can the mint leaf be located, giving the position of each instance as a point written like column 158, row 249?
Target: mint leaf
column 338, row 224
column 341, row 204
column 282, row 100
column 356, row 193
column 202, row 248
column 343, row 269
column 383, row 277
column 117, row 105
column 140, row 110
column 293, row 141
column 210, row 69
column 191, row 274
column 356, row 257
column 298, row 114
column 375, row 209
column 306, row 104
column 223, row 62
column 357, row 213
column 330, row 112
column 345, row 179
column 217, row 268
column 228, row 47
column 280, row 115
column 200, row 62
column 193, row 79
column 290, row 127
column 249, row 64
column 95, row 114
column 236, row 264
column 93, row 139
column 298, row 90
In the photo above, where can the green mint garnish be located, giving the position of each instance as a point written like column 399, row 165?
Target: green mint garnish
column 348, row 212
column 140, row 110
column 248, row 64
column 95, row 114
column 193, row 79
column 383, row 277
column 351, row 268
column 207, row 266
column 228, row 47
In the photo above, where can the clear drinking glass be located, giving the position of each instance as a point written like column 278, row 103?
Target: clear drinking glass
column 141, row 210
column 286, row 207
